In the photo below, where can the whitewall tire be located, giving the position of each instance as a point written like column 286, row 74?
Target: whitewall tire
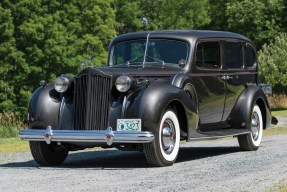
column 252, row 141
column 163, row 151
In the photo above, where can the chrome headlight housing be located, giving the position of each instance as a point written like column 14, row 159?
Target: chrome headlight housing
column 124, row 83
column 62, row 84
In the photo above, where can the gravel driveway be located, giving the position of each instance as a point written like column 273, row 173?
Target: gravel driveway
column 217, row 165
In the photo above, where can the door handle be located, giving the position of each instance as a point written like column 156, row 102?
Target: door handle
column 226, row 77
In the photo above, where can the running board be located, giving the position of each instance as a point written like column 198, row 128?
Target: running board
column 199, row 135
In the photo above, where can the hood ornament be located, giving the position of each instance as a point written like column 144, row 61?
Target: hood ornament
column 91, row 59
column 83, row 64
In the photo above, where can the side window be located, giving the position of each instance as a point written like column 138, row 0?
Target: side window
column 233, row 56
column 208, row 55
column 249, row 57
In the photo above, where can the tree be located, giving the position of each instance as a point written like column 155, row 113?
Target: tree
column 273, row 63
column 257, row 19
column 182, row 14
column 10, row 59
column 43, row 39
column 128, row 16
column 217, row 13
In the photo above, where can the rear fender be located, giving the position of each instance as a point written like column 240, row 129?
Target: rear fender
column 242, row 111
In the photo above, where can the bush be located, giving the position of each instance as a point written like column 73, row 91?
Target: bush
column 273, row 64
column 278, row 102
column 10, row 123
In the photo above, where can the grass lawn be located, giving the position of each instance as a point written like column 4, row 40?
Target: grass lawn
column 13, row 145
column 281, row 186
column 281, row 113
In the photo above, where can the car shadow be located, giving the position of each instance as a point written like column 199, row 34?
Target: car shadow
column 115, row 159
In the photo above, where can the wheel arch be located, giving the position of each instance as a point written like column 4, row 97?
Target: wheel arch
column 181, row 116
column 239, row 116
column 151, row 103
column 260, row 102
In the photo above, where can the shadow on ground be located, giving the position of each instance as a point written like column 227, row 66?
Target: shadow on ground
column 115, row 159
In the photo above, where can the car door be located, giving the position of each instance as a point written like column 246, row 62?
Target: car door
column 239, row 66
column 208, row 82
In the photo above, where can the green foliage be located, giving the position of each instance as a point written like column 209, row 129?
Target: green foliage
column 43, row 39
column 273, row 63
column 217, row 13
column 257, row 19
column 128, row 15
column 10, row 124
column 181, row 14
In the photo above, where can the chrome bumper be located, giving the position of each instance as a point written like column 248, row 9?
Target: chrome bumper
column 108, row 136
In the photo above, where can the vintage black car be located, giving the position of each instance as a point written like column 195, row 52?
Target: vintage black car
column 159, row 87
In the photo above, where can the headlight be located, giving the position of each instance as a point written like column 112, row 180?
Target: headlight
column 62, row 84
column 123, row 83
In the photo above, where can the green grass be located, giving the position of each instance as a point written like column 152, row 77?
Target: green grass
column 281, row 186
column 280, row 113
column 275, row 130
column 8, row 131
column 13, row 145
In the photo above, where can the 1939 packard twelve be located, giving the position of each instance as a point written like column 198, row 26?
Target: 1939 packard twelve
column 160, row 87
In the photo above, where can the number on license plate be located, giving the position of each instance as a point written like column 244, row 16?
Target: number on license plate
column 129, row 125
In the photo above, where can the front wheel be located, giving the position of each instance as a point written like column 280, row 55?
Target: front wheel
column 47, row 155
column 163, row 150
column 251, row 141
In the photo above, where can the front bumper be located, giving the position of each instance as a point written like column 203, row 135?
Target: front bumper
column 93, row 136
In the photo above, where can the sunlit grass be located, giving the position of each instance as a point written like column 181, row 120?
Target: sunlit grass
column 278, row 101
column 281, row 186
column 281, row 113
column 275, row 130
column 13, row 145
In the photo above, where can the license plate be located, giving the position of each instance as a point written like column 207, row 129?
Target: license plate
column 129, row 125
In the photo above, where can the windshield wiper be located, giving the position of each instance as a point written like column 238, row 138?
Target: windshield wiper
column 134, row 60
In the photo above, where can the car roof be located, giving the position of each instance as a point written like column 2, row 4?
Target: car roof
column 188, row 35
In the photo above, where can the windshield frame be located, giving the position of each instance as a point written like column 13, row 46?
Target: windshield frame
column 150, row 63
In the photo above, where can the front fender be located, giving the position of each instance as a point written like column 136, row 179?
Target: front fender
column 43, row 108
column 150, row 103
column 242, row 111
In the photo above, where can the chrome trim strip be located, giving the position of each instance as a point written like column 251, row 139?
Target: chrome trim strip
column 62, row 104
column 92, row 136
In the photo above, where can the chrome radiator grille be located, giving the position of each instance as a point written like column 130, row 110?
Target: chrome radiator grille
column 91, row 102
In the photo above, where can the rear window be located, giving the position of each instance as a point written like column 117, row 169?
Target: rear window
column 233, row 56
column 249, row 57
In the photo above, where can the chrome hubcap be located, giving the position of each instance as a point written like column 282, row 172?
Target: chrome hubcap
column 168, row 136
column 255, row 126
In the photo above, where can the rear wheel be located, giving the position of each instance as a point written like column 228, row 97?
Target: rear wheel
column 251, row 141
column 46, row 155
column 163, row 150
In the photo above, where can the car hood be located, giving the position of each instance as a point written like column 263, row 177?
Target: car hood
column 134, row 71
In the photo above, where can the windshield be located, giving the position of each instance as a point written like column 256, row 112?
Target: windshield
column 159, row 51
